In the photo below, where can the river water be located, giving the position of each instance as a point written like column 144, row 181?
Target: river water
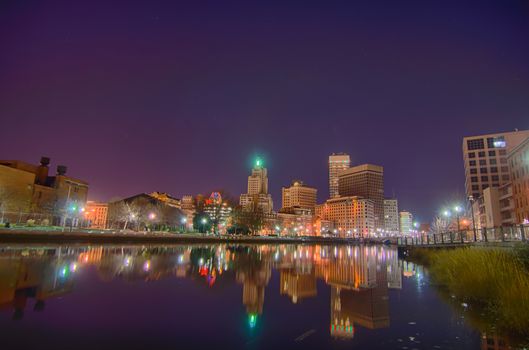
column 225, row 296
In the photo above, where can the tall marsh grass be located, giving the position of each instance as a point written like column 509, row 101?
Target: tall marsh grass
column 496, row 280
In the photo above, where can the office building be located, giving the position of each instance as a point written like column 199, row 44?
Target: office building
column 257, row 198
column 29, row 192
column 485, row 160
column 188, row 203
column 167, row 199
column 519, row 165
column 391, row 216
column 218, row 211
column 495, row 207
column 299, row 195
column 366, row 181
column 96, row 214
column 351, row 216
column 337, row 163
column 405, row 222
column 296, row 221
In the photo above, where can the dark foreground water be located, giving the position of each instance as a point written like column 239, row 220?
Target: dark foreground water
column 225, row 296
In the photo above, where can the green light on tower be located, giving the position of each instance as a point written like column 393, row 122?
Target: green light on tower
column 258, row 163
column 252, row 320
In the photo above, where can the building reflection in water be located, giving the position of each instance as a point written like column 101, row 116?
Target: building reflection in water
column 359, row 276
column 34, row 274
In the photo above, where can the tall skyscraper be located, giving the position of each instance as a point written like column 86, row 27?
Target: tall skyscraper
column 367, row 181
column 485, row 158
column 337, row 163
column 257, row 197
column 258, row 181
column 299, row 195
column 406, row 222
column 391, row 216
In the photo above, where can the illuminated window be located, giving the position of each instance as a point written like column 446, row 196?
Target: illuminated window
column 496, row 142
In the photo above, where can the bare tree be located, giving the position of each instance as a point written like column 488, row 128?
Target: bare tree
column 252, row 219
column 11, row 201
column 6, row 197
column 440, row 225
column 124, row 213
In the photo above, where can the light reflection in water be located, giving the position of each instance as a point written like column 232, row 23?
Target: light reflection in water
column 359, row 277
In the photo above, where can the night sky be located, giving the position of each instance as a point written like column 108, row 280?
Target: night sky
column 180, row 96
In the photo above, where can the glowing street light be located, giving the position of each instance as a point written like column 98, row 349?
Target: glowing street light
column 183, row 221
column 203, row 221
column 458, row 210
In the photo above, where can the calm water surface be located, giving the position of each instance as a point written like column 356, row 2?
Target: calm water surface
column 225, row 296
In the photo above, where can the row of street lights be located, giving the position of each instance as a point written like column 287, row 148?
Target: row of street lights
column 458, row 210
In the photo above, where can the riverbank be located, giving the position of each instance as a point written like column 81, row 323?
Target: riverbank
column 30, row 236
column 491, row 283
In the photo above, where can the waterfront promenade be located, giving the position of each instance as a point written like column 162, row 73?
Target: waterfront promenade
column 36, row 236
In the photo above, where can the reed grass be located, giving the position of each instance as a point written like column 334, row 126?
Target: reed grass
column 496, row 280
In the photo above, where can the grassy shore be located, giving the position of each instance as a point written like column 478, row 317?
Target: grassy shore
column 495, row 281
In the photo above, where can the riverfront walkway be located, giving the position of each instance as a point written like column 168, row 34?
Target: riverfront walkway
column 498, row 236
column 117, row 237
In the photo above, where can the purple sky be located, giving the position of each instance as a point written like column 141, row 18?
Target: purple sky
column 161, row 95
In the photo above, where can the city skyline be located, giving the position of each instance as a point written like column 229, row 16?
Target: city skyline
column 135, row 103
column 264, row 174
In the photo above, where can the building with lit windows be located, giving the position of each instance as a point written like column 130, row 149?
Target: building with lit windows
column 295, row 222
column 366, row 181
column 391, row 216
column 29, row 192
column 188, row 202
column 406, row 222
column 337, row 162
column 299, row 195
column 168, row 199
column 495, row 207
column 257, row 198
column 519, row 165
column 351, row 216
column 485, row 160
column 96, row 214
column 219, row 212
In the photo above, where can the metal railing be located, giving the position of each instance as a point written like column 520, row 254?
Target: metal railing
column 515, row 233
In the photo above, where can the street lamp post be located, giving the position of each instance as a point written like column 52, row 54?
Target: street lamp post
column 471, row 200
column 183, row 221
column 203, row 221
column 458, row 209
column 152, row 216
column 447, row 214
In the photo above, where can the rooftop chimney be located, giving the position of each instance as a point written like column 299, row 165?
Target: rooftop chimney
column 42, row 171
column 61, row 169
